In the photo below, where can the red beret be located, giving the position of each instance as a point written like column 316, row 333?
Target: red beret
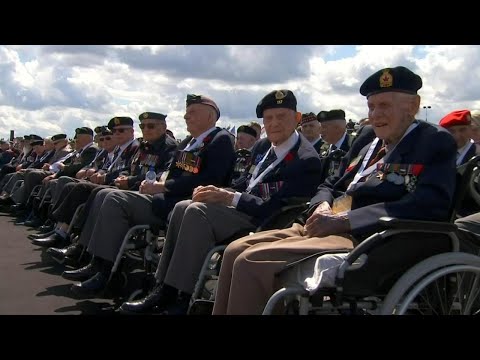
column 202, row 99
column 458, row 117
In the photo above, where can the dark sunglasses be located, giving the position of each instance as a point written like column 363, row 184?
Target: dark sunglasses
column 148, row 126
column 108, row 138
column 121, row 131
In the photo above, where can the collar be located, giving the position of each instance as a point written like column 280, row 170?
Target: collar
column 124, row 146
column 86, row 146
column 285, row 147
column 203, row 135
column 339, row 143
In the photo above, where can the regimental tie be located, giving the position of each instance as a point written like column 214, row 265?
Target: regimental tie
column 271, row 157
column 380, row 154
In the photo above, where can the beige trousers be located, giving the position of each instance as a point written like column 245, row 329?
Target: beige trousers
column 247, row 275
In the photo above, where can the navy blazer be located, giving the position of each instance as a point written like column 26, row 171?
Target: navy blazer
column 431, row 199
column 158, row 154
column 299, row 171
column 217, row 164
column 77, row 162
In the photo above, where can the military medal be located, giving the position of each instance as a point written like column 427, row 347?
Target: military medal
column 407, row 179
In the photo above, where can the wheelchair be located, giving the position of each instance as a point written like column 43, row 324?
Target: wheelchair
column 393, row 272
column 203, row 296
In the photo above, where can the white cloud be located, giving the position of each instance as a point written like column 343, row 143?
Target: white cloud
column 49, row 89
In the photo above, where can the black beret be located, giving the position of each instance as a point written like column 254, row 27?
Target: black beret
column 399, row 79
column 120, row 120
column 59, row 137
column 322, row 115
column 336, row 114
column 247, row 130
column 35, row 137
column 83, row 131
column 152, row 115
column 36, row 142
column 99, row 129
column 202, row 99
column 105, row 132
column 277, row 99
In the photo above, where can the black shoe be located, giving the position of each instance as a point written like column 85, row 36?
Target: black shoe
column 53, row 240
column 34, row 222
column 41, row 236
column 59, row 255
column 156, row 301
column 46, row 228
column 92, row 286
column 81, row 274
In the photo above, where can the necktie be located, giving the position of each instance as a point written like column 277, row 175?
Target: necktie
column 380, row 154
column 271, row 157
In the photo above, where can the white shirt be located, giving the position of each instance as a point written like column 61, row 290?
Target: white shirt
column 280, row 151
column 339, row 142
column 199, row 140
column 463, row 151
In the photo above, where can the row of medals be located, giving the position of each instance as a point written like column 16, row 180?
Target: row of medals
column 397, row 179
column 185, row 167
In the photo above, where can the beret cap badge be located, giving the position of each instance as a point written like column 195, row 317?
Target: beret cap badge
column 386, row 79
column 279, row 95
column 116, row 121
column 145, row 115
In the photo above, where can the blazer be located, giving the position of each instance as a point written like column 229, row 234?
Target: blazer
column 215, row 167
column 297, row 175
column 429, row 146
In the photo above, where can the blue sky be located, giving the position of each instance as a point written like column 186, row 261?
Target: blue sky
column 56, row 88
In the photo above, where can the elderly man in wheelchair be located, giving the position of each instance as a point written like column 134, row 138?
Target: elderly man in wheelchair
column 407, row 172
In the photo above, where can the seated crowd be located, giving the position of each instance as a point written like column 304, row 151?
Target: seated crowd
column 214, row 188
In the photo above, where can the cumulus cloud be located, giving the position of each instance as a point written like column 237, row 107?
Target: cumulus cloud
column 55, row 88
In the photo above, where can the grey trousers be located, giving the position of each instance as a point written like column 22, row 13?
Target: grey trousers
column 57, row 189
column 10, row 180
column 92, row 217
column 194, row 229
column 32, row 178
column 5, row 180
column 119, row 211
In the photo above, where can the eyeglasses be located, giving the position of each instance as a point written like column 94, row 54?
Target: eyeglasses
column 121, row 131
column 148, row 126
column 107, row 138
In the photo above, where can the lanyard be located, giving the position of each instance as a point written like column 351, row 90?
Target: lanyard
column 256, row 179
column 119, row 155
column 362, row 172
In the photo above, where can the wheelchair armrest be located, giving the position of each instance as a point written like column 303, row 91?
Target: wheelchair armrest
column 394, row 226
column 412, row 225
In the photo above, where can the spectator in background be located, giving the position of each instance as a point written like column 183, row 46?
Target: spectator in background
column 257, row 127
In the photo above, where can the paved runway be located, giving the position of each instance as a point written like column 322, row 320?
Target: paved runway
column 30, row 282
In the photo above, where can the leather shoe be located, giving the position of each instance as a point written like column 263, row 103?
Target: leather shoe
column 40, row 236
column 46, row 228
column 59, row 255
column 34, row 222
column 53, row 240
column 156, row 301
column 92, row 286
column 81, row 274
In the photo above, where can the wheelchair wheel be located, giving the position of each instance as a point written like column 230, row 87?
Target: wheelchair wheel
column 444, row 284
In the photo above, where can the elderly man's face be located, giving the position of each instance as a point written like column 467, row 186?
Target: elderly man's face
column 198, row 118
column 244, row 141
column 390, row 114
column 153, row 129
column 311, row 130
column 461, row 134
column 279, row 124
column 122, row 134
